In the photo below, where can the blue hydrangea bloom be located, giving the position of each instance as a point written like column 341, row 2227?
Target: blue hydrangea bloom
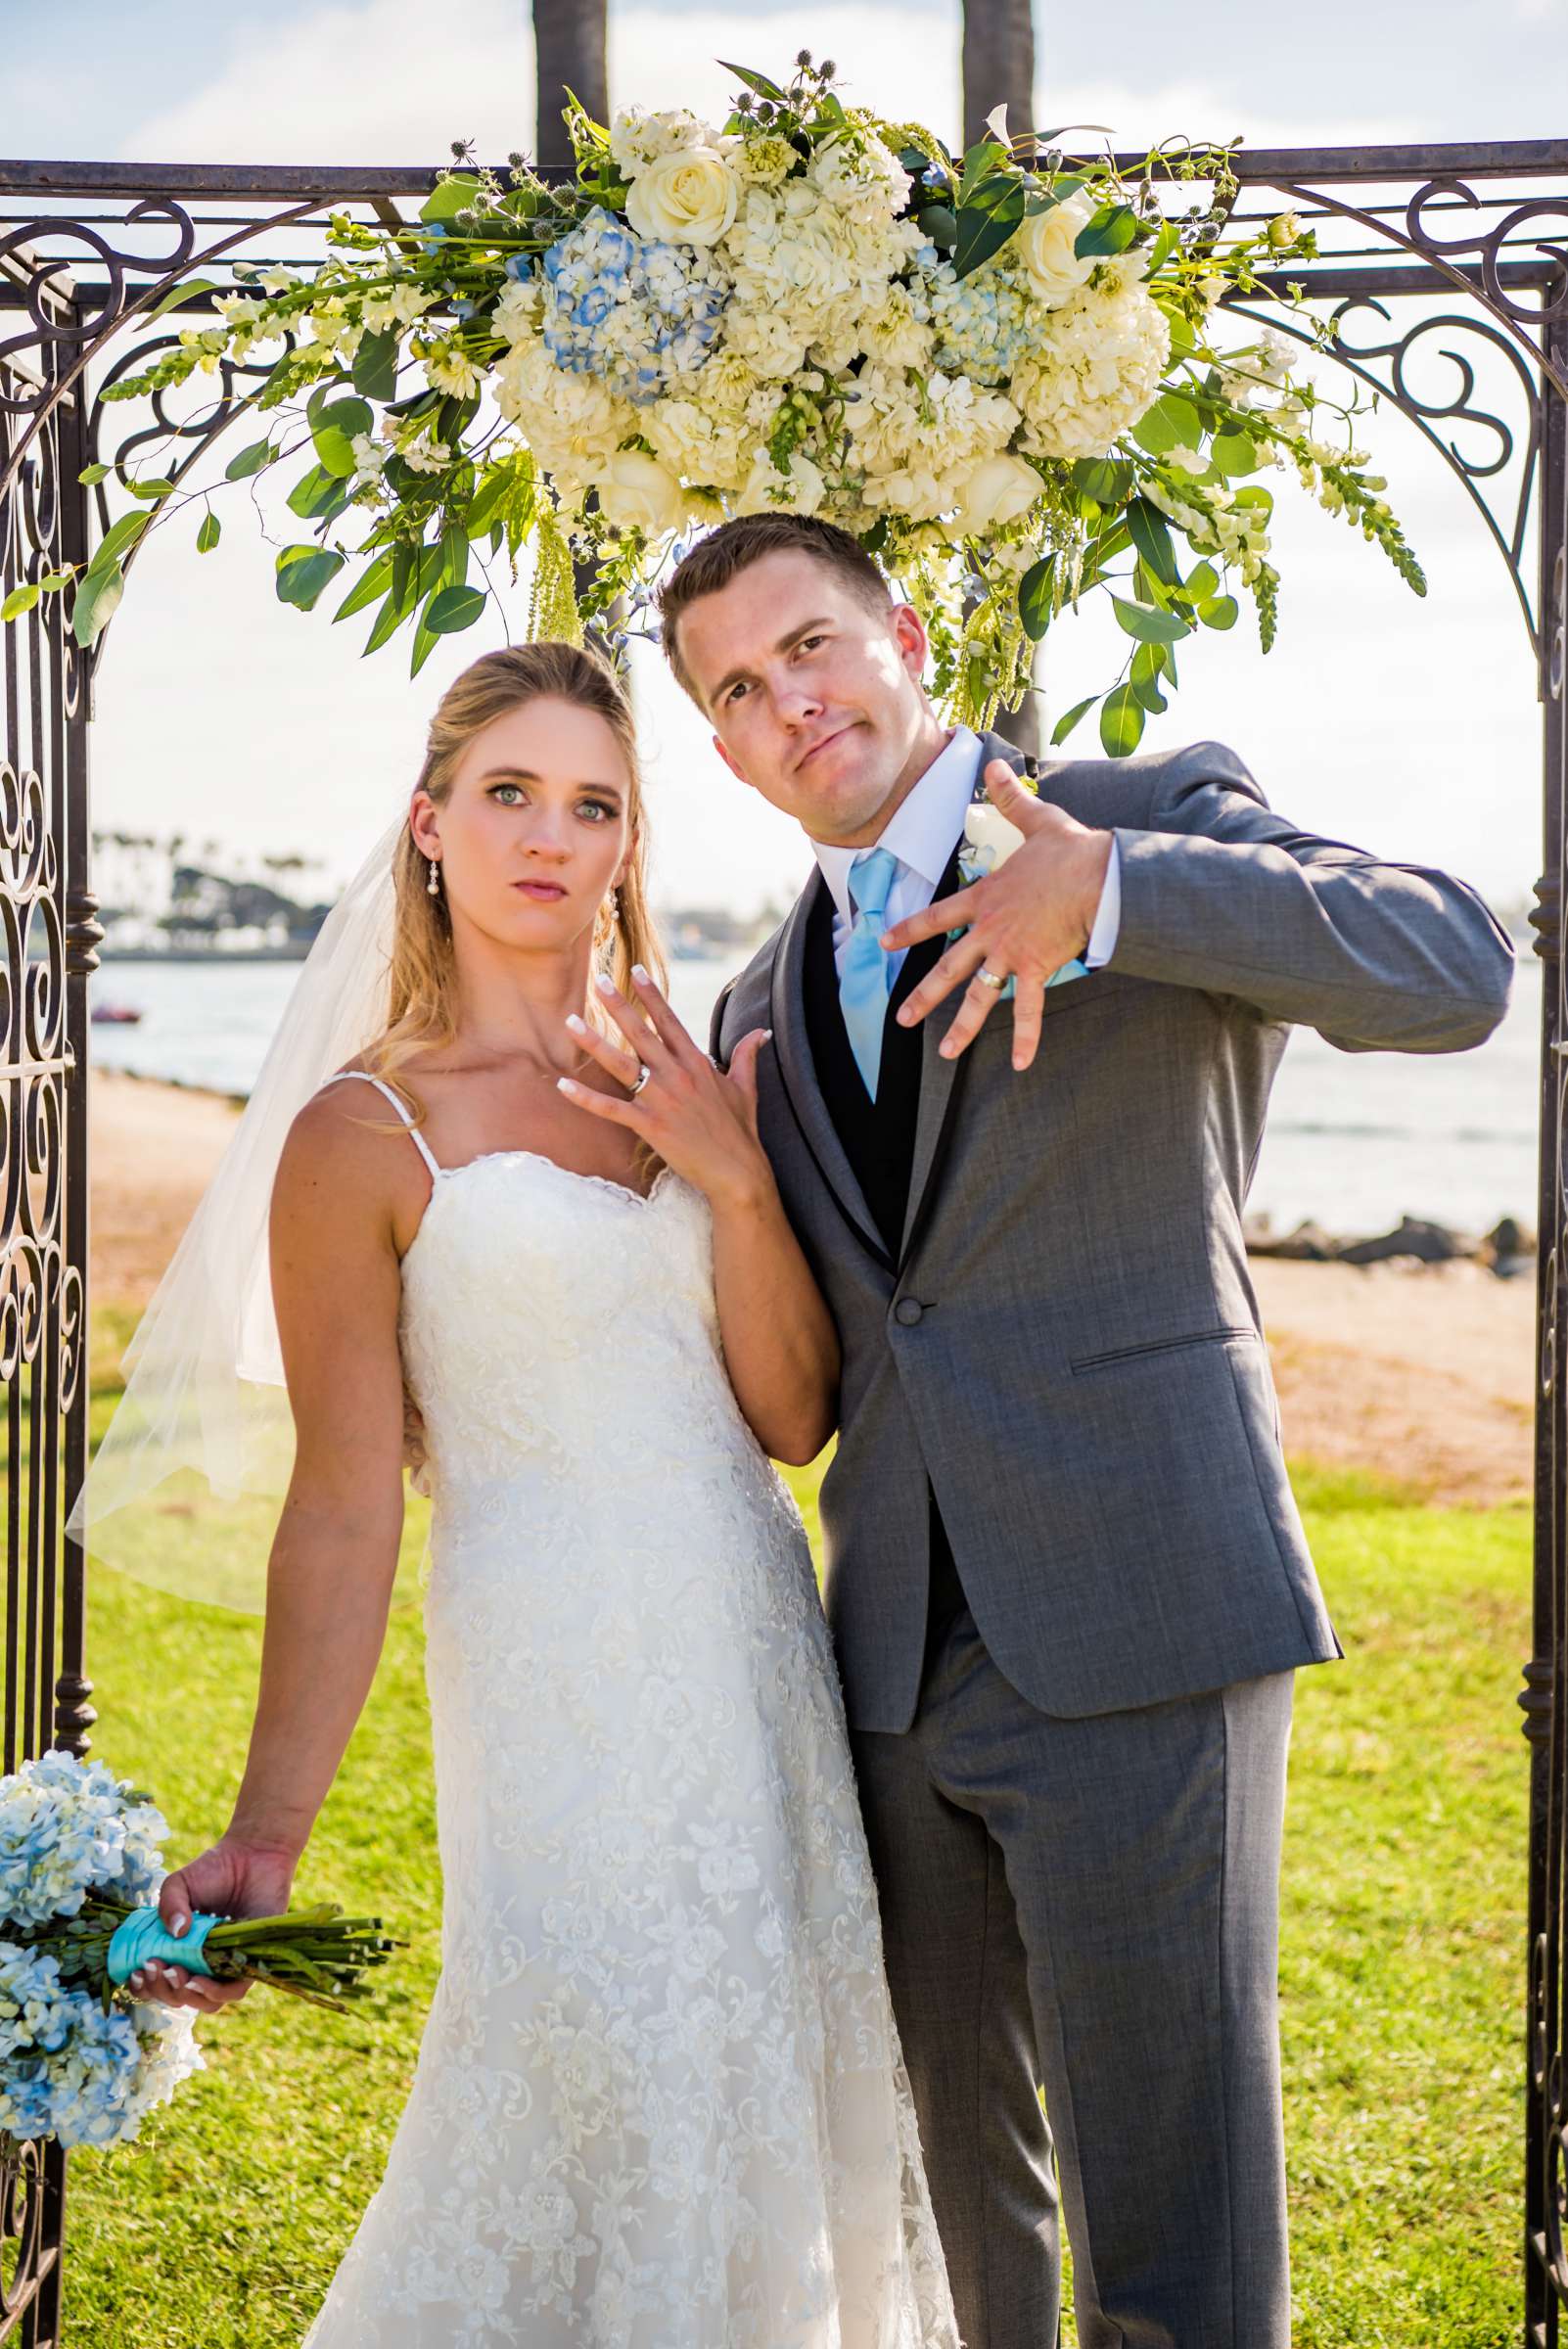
column 634, row 311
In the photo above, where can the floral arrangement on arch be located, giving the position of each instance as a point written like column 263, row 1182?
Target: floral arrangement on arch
column 1004, row 373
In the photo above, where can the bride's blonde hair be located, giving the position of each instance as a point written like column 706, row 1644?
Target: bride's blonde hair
column 422, row 992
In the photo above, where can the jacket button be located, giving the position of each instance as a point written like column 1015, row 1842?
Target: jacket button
column 907, row 1311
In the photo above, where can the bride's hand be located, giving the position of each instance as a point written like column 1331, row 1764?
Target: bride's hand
column 701, row 1121
column 233, row 1879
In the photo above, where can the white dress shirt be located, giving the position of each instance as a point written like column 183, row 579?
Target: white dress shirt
column 921, row 834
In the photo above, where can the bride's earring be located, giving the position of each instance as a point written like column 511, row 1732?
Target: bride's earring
column 433, row 887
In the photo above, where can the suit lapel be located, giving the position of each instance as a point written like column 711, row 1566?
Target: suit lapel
column 942, row 1081
column 801, row 1088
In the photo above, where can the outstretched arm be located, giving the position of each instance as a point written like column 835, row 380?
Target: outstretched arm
column 1219, row 892
column 1222, row 893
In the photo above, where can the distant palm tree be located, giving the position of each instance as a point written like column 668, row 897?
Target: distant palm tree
column 998, row 68
column 569, row 40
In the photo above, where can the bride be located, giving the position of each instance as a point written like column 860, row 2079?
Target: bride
column 660, row 2099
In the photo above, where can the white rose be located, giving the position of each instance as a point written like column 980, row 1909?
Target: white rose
column 987, row 828
column 1045, row 242
column 638, row 494
column 687, row 197
column 999, row 490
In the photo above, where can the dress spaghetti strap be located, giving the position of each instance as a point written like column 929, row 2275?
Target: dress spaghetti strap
column 363, row 1077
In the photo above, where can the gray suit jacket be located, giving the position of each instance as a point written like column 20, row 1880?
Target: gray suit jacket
column 1068, row 1343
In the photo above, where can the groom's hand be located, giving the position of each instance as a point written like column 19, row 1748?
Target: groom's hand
column 1027, row 918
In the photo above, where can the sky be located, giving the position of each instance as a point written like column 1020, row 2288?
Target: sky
column 1409, row 726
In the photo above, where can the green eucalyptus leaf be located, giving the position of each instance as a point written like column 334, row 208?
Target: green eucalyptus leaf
column 939, row 223
column 1064, row 725
column 96, row 601
column 114, row 541
column 450, row 197
column 1144, row 677
column 984, row 159
column 375, row 370
column 207, row 537
column 313, row 492
column 302, row 574
column 1172, row 423
column 387, row 621
column 1234, row 453
column 92, row 475
column 1112, row 230
column 177, row 295
column 1151, row 537
column 333, row 431
column 1121, row 721
column 1201, row 582
column 754, row 80
column 249, row 460
column 1106, row 479
column 371, row 582
column 155, row 485
column 986, row 223
column 453, row 608
column 1034, row 597
column 1149, row 625
column 20, row 600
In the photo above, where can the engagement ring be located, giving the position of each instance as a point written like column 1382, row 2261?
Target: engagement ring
column 644, row 1072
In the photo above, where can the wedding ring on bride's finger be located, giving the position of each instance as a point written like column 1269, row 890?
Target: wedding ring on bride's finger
column 644, row 1072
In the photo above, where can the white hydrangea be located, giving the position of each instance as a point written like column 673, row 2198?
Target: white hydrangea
column 767, row 489
column 638, row 138
column 937, row 430
column 806, row 273
column 519, row 311
column 573, row 423
column 707, row 434
column 1098, row 371
column 860, row 175
column 895, row 335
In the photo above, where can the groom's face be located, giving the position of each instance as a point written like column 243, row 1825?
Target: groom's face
column 813, row 694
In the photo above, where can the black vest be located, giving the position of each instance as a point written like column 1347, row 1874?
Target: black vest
column 879, row 1137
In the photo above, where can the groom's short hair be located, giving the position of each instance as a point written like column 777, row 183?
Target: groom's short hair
column 722, row 554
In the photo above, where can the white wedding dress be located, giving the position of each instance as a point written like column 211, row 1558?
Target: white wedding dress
column 659, row 2102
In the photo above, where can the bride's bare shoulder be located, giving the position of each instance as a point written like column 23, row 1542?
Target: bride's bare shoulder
column 347, row 1141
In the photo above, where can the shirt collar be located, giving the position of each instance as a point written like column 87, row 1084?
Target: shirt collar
column 922, row 830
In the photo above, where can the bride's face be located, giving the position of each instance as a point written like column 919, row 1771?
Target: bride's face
column 537, row 827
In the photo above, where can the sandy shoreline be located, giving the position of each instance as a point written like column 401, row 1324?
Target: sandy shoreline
column 1424, row 1375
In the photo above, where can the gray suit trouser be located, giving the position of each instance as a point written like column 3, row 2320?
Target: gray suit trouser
column 1090, row 1905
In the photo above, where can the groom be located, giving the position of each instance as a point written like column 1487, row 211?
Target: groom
column 1066, row 1577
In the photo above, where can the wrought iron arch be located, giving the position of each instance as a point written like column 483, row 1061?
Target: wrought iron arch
column 88, row 251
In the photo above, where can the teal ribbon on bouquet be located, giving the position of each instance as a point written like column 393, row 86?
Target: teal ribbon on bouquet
column 143, row 1935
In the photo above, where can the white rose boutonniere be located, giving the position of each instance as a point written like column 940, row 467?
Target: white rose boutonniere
column 989, row 839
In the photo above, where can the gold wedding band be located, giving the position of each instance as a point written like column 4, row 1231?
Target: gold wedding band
column 991, row 977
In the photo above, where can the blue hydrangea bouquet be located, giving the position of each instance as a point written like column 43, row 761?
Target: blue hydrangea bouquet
column 81, row 2060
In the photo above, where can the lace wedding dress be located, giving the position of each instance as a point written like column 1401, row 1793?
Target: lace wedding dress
column 659, row 2101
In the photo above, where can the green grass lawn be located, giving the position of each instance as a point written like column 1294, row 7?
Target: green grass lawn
column 1402, row 1970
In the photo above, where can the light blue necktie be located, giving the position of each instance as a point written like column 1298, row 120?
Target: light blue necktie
column 864, row 982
